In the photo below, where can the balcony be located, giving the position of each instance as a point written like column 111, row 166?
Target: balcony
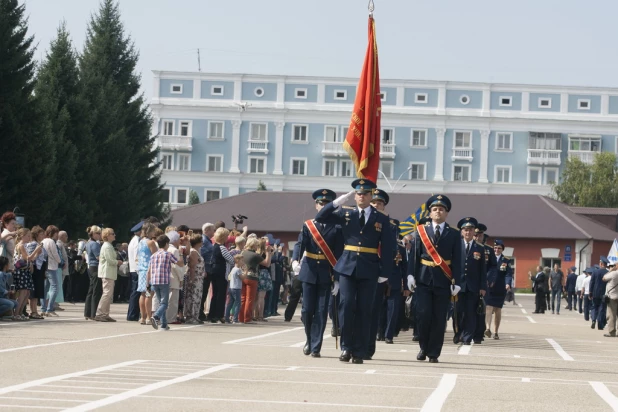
column 462, row 153
column 181, row 143
column 585, row 156
column 544, row 157
column 387, row 150
column 333, row 149
column 258, row 146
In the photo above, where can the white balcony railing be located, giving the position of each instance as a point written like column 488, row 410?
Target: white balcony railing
column 259, row 146
column 462, row 154
column 583, row 155
column 544, row 157
column 175, row 143
column 333, row 149
column 387, row 150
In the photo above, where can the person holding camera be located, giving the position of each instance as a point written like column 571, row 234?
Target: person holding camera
column 611, row 298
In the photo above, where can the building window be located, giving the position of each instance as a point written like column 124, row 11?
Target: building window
column 176, row 89
column 420, row 98
column 184, row 162
column 387, row 169
column 330, row 134
column 534, row 175
column 259, row 92
column 341, row 94
column 383, row 96
column 212, row 195
column 583, row 104
column 503, row 174
column 545, row 141
column 464, row 99
column 167, row 161
column 417, row 171
column 330, row 168
column 257, row 165
column 216, row 90
column 298, row 166
column 551, row 175
column 299, row 133
column 168, row 128
column 300, row 93
column 215, row 130
column 258, row 131
column 388, row 136
column 461, row 173
column 463, row 140
column 419, row 138
column 545, row 102
column 344, row 132
column 214, row 163
column 165, row 196
column 185, row 128
column 585, row 144
column 345, row 168
column 504, row 141
column 506, row 101
column 181, row 196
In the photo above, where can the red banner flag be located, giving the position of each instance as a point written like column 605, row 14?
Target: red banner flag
column 363, row 139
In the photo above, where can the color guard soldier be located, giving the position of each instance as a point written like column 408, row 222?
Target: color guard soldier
column 358, row 270
column 473, row 282
column 491, row 266
column 321, row 245
column 438, row 262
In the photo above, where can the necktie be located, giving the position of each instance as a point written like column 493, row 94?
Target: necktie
column 362, row 218
column 467, row 247
column 436, row 238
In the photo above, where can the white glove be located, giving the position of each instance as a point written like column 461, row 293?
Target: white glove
column 455, row 290
column 335, row 288
column 382, row 280
column 343, row 198
column 295, row 267
column 411, row 282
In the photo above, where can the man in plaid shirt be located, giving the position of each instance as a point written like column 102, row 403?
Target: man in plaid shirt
column 159, row 270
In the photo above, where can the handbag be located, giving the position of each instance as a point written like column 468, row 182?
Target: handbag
column 20, row 264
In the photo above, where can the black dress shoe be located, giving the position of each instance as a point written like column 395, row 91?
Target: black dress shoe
column 315, row 355
column 367, row 358
column 389, row 341
column 594, row 323
column 433, row 360
column 358, row 361
column 421, row 355
column 345, row 356
column 478, row 342
column 332, row 332
column 380, row 338
column 456, row 339
column 415, row 339
column 306, row 349
column 466, row 343
column 287, row 320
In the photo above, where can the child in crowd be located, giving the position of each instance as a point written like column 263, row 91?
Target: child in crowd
column 7, row 304
column 233, row 301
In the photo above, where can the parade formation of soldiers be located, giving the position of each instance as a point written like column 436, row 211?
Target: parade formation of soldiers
column 354, row 265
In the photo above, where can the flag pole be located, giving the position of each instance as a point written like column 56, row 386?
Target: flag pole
column 371, row 7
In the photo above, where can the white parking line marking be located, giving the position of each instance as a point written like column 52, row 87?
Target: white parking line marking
column 438, row 396
column 293, row 382
column 464, row 350
column 30, row 407
column 559, row 350
column 145, row 389
column 262, row 336
column 605, row 394
column 41, row 399
column 39, row 382
column 524, row 311
column 530, row 319
column 291, row 368
column 30, row 322
column 525, row 379
column 519, row 304
column 370, row 371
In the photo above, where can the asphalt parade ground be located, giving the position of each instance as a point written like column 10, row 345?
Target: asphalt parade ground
column 541, row 363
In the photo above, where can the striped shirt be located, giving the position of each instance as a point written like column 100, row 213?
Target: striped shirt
column 161, row 267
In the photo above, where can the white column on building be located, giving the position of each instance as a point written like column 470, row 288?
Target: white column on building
column 237, row 90
column 156, row 84
column 525, row 102
column 280, row 93
column 484, row 156
column 442, row 99
column 486, row 101
column 197, row 88
column 585, row 248
column 401, row 91
column 321, row 93
column 564, row 102
column 235, row 146
column 279, row 148
column 605, row 103
column 439, row 173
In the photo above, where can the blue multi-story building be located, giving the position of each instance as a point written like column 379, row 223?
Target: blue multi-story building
column 220, row 134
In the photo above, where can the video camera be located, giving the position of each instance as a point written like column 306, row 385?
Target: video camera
column 238, row 220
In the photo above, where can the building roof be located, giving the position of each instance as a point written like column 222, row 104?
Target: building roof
column 594, row 211
column 509, row 216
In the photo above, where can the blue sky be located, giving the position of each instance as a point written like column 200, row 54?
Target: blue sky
column 566, row 42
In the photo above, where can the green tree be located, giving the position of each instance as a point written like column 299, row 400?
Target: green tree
column 194, row 199
column 585, row 185
column 261, row 185
column 28, row 160
column 127, row 180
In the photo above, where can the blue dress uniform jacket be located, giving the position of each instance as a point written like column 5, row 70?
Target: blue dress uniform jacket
column 597, row 286
column 398, row 276
column 497, row 282
column 317, row 271
column 571, row 282
column 474, row 276
column 473, row 280
column 376, row 233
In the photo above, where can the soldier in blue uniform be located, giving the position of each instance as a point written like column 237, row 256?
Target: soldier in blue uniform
column 491, row 266
column 497, row 289
column 435, row 287
column 473, row 282
column 571, row 282
column 360, row 268
column 598, row 308
column 316, row 273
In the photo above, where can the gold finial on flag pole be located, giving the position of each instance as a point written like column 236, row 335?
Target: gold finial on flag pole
column 371, row 7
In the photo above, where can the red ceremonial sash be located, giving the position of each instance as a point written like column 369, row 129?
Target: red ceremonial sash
column 437, row 259
column 317, row 237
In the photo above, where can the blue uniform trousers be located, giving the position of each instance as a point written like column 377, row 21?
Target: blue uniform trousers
column 466, row 316
column 431, row 308
column 393, row 303
column 314, row 312
column 376, row 314
column 599, row 312
column 133, row 311
column 355, row 307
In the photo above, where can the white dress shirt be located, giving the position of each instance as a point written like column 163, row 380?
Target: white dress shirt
column 441, row 225
column 133, row 253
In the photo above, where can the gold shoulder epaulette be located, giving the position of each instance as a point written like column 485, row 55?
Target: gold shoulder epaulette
column 383, row 212
column 479, row 243
column 347, row 207
column 454, row 228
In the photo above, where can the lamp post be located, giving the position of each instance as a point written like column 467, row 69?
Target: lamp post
column 392, row 187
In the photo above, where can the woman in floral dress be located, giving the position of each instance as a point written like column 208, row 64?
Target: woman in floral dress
column 23, row 276
column 194, row 282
